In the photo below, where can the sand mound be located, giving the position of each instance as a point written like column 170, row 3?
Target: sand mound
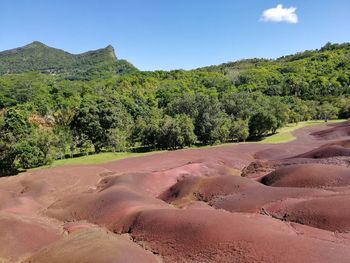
column 21, row 235
column 253, row 200
column 342, row 143
column 114, row 207
column 154, row 183
column 206, row 188
column 331, row 213
column 340, row 130
column 326, row 152
column 308, row 175
column 92, row 246
column 203, row 235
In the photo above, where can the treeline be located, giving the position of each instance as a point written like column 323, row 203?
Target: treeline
column 309, row 75
column 47, row 117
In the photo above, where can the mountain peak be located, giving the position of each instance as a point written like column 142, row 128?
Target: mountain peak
column 36, row 44
column 37, row 56
column 110, row 49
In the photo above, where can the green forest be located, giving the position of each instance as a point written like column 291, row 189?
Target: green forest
column 54, row 105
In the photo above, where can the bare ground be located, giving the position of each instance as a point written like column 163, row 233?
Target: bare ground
column 238, row 203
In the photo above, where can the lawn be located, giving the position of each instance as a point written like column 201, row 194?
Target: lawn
column 97, row 158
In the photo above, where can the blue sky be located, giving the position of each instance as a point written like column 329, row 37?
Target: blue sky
column 172, row 34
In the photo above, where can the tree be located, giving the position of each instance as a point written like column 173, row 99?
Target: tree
column 238, row 105
column 262, row 123
column 23, row 145
column 221, row 129
column 344, row 112
column 8, row 153
column 165, row 132
column 298, row 109
column 176, row 132
column 280, row 111
column 36, row 150
column 147, row 130
column 97, row 118
column 64, row 138
column 209, row 110
column 327, row 111
column 14, row 127
column 118, row 140
column 183, row 105
column 16, row 122
column 188, row 136
column 239, row 130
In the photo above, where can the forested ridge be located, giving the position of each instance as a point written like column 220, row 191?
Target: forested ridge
column 38, row 57
column 56, row 105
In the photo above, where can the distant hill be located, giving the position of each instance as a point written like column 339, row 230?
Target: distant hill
column 38, row 57
column 323, row 71
column 324, row 54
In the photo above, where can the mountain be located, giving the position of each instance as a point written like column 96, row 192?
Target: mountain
column 39, row 57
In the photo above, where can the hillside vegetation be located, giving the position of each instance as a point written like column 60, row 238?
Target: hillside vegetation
column 41, row 58
column 55, row 105
column 308, row 75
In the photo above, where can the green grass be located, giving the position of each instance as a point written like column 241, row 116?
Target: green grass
column 285, row 134
column 96, row 158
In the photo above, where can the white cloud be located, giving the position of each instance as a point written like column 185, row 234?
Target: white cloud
column 280, row 14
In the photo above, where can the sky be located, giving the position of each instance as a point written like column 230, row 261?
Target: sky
column 176, row 34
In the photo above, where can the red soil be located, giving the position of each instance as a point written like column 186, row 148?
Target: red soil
column 309, row 175
column 333, row 133
column 326, row 152
column 343, row 143
column 114, row 207
column 340, row 130
column 21, row 236
column 203, row 235
column 92, row 245
column 188, row 206
column 331, row 213
column 206, row 188
column 253, row 200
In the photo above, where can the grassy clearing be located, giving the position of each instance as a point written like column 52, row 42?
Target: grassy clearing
column 96, row 158
column 285, row 134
